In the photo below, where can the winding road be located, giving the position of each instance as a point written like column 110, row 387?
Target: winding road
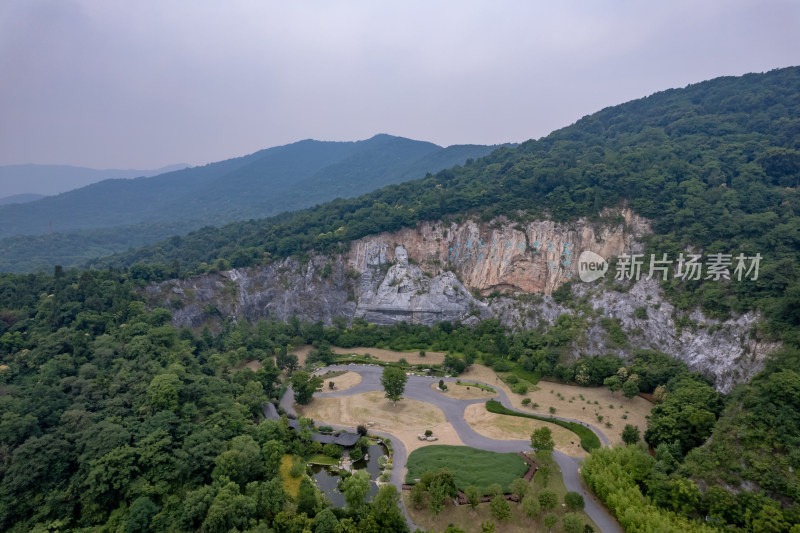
column 419, row 388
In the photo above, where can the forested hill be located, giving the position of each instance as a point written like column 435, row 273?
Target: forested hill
column 115, row 215
column 47, row 180
column 715, row 165
column 112, row 419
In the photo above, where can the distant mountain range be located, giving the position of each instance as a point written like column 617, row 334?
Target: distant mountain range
column 21, row 198
column 116, row 214
column 46, row 180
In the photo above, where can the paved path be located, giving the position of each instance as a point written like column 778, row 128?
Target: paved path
column 419, row 388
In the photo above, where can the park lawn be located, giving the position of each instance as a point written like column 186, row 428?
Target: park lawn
column 320, row 459
column 469, row 466
column 290, row 484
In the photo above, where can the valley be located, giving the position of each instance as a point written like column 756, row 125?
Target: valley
column 176, row 381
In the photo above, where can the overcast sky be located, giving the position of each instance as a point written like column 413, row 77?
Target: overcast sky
column 146, row 83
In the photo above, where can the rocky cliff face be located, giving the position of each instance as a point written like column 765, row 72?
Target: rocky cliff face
column 501, row 255
column 437, row 271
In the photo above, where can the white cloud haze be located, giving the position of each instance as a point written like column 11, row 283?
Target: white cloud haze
column 146, row 83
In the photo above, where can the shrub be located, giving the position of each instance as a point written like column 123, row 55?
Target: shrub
column 362, row 430
column 422, row 353
column 512, row 379
column 428, row 433
column 520, row 388
column 526, row 401
column 356, row 454
column 298, row 468
column 332, row 450
column 502, row 365
column 417, row 494
column 495, row 489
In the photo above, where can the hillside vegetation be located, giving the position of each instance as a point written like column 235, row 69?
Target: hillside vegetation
column 714, row 165
column 115, row 215
column 113, row 419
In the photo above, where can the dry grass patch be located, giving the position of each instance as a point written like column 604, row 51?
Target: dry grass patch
column 302, row 354
column 586, row 410
column 504, row 427
column 405, row 421
column 341, row 382
column 461, row 392
column 290, row 484
column 635, row 409
column 413, row 358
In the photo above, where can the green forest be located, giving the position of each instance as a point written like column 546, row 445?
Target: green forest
column 114, row 420
column 116, row 215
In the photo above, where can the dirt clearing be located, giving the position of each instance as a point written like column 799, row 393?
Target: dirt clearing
column 461, row 392
column 413, row 358
column 504, row 427
column 570, row 404
column 341, row 382
column 406, row 420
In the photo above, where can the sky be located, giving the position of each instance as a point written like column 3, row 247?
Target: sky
column 148, row 83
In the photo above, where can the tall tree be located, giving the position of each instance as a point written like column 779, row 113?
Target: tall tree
column 630, row 435
column 394, row 382
column 530, row 506
column 386, row 510
column 613, row 383
column 542, row 439
column 500, row 509
column 630, row 388
column 304, row 386
column 355, row 489
column 307, row 499
column 520, row 487
column 325, row 522
column 473, row 495
column 437, row 492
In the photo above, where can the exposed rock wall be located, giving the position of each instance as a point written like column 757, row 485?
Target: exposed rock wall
column 428, row 274
column 501, row 255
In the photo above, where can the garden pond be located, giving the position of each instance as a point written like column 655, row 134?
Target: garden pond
column 327, row 477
